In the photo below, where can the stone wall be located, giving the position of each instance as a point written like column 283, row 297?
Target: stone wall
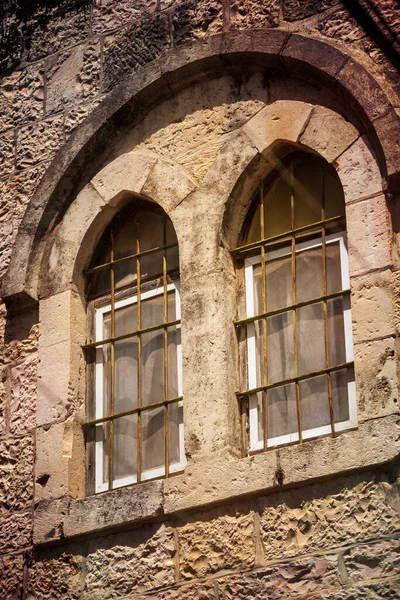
column 335, row 540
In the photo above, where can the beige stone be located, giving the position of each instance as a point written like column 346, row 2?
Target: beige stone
column 358, row 171
column 38, row 142
column 58, row 569
column 62, row 319
column 372, row 307
column 168, row 185
column 23, row 396
column 16, row 470
column 16, row 532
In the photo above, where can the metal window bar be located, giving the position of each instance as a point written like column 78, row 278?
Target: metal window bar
column 139, row 357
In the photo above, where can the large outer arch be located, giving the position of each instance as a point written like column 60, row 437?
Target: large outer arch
column 300, row 56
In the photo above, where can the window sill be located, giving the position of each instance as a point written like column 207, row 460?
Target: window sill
column 213, row 481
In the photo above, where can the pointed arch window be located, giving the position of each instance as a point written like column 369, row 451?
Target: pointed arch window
column 297, row 351
column 135, row 428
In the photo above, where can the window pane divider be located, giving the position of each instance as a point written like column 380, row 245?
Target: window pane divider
column 137, row 255
column 133, row 411
column 124, row 336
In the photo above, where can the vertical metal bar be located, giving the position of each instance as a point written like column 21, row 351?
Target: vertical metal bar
column 294, row 317
column 264, row 321
column 165, row 316
column 112, row 348
column 139, row 356
column 325, row 304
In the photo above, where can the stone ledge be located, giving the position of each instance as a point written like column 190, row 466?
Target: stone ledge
column 211, row 482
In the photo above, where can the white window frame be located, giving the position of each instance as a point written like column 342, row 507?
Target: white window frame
column 250, row 263
column 100, row 486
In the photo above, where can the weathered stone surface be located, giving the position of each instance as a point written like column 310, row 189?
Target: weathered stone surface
column 11, row 576
column 197, row 591
column 300, row 9
column 109, row 15
column 213, row 542
column 372, row 307
column 358, row 172
column 16, row 474
column 132, row 562
column 72, row 76
column 328, row 133
column 4, row 400
column 39, row 141
column 251, row 13
column 373, row 561
column 16, row 532
column 23, row 396
column 288, row 580
column 76, row 115
column 388, row 590
column 194, row 19
column 21, row 97
column 387, row 127
column 7, row 157
column 128, row 50
column 340, row 26
column 327, row 515
column 55, row 574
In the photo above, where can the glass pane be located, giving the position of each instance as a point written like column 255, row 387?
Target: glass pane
column 280, row 347
column 103, row 371
column 124, row 447
column 125, row 239
column 314, row 402
column 153, row 440
column 99, row 283
column 171, row 306
column 333, row 270
column 151, row 227
column 152, row 364
column 151, row 265
column 282, row 411
column 334, row 198
column 277, row 211
column 336, row 340
column 174, row 339
column 340, row 398
column 254, row 233
column 309, row 274
column 125, row 396
column 102, row 453
column 125, row 273
column 172, row 259
column 278, row 273
column 307, row 184
column 175, row 420
column 126, row 319
column 257, row 290
column 106, row 326
column 152, row 311
column 256, row 370
column 256, row 402
column 310, row 338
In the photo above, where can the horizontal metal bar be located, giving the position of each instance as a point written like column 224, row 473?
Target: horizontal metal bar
column 132, row 334
column 127, row 413
column 294, row 380
column 130, row 257
column 278, row 311
column 290, row 232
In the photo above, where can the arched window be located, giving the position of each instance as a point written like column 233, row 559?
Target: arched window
column 297, row 352
column 135, row 428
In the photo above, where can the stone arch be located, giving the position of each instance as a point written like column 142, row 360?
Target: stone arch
column 315, row 59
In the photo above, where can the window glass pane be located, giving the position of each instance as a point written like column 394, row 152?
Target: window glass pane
column 125, row 238
column 152, row 311
column 102, row 453
column 171, row 306
column 125, row 273
column 126, row 319
column 277, row 211
column 278, row 273
column 99, row 283
column 106, row 326
column 314, row 402
column 257, row 290
column 125, row 447
column 254, row 233
column 333, row 270
column 309, row 282
column 125, row 395
column 152, row 372
column 336, row 340
column 310, row 338
column 103, row 371
column 151, row 265
column 334, row 197
column 175, row 421
column 307, row 184
column 256, row 402
column 152, row 436
column 174, row 339
column 151, row 230
column 172, row 259
column 280, row 347
column 255, row 351
column 282, row 411
column 340, row 398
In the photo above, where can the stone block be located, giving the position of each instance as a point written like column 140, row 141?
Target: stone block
column 346, row 511
column 4, row 400
column 312, row 53
column 385, row 590
column 196, row 591
column 294, row 10
column 369, row 235
column 373, row 561
column 16, row 532
column 16, row 475
column 21, row 97
column 77, row 114
column 56, row 573
column 108, row 15
column 282, row 120
column 167, row 185
column 252, row 14
column 193, row 20
column 215, row 541
column 372, row 306
column 12, row 573
column 328, row 133
column 7, row 156
column 302, row 578
column 48, row 519
column 340, row 25
column 130, row 563
column 358, row 172
column 39, row 141
column 23, row 396
column 62, row 319
column 17, row 190
column 387, row 128
column 129, row 50
column 73, row 76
